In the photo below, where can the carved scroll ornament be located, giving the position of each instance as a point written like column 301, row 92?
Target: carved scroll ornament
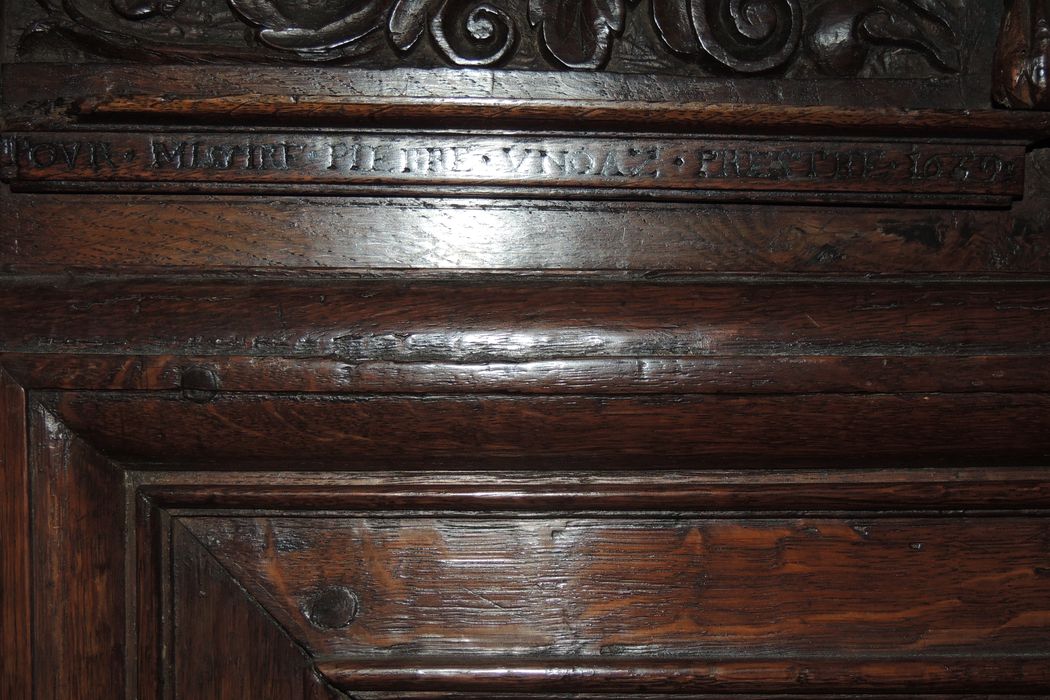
column 1022, row 60
column 742, row 36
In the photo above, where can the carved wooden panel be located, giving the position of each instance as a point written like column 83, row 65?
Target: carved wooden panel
column 895, row 37
column 524, row 349
column 765, row 582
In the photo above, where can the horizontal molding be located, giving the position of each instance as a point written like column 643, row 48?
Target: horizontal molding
column 820, row 675
column 873, row 493
column 142, row 84
column 609, row 376
column 567, row 432
column 556, row 163
column 568, row 112
column 165, row 233
column 515, row 320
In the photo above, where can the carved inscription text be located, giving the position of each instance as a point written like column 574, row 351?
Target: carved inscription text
column 699, row 164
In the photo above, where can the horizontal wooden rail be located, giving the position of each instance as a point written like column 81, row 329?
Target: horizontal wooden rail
column 823, row 675
column 634, row 116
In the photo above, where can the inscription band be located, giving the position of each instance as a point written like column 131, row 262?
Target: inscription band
column 562, row 161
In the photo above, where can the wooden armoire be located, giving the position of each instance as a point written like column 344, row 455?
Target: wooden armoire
column 524, row 349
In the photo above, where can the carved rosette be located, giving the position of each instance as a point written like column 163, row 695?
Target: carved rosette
column 744, row 35
column 466, row 33
column 1022, row 59
column 741, row 36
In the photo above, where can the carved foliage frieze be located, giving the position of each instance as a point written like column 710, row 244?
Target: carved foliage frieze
column 829, row 37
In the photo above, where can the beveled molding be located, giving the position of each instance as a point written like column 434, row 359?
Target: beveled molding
column 159, row 529
column 664, row 166
column 882, row 157
column 152, row 529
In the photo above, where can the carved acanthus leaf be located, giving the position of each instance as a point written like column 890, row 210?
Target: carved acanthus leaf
column 578, row 33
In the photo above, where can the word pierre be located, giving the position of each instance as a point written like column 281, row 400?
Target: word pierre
column 566, row 160
column 552, row 159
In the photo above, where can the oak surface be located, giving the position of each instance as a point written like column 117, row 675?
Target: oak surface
column 524, row 349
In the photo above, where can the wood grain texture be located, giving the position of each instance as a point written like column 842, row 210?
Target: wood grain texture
column 873, row 492
column 78, row 566
column 626, row 590
column 16, row 678
column 607, row 376
column 561, row 111
column 404, row 424
column 209, row 606
column 567, row 432
column 42, row 93
column 56, row 233
column 511, row 320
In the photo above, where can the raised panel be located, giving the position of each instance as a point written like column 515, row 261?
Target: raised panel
column 531, row 584
column 645, row 586
column 224, row 645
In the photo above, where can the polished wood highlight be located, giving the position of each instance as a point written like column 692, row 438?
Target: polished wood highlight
column 524, row 350
column 1023, row 56
column 175, row 233
column 715, row 374
column 208, row 605
column 742, row 585
column 637, row 115
column 656, row 675
column 519, row 318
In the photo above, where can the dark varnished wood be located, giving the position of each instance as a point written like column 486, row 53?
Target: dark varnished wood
column 78, row 566
column 187, row 160
column 331, row 367
column 15, row 557
column 819, row 676
column 209, row 604
column 1023, row 56
column 892, row 511
column 380, row 109
column 680, row 37
column 513, row 319
column 717, row 374
column 49, row 233
column 573, row 430
column 874, row 492
column 627, row 589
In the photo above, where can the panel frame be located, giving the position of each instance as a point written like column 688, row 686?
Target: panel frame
column 151, row 498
